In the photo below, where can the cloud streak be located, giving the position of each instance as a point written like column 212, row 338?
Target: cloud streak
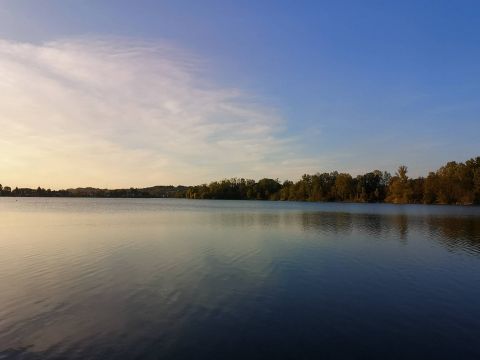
column 114, row 112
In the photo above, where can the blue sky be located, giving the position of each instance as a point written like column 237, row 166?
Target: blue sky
column 347, row 85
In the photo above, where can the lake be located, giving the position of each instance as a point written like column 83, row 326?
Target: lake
column 200, row 279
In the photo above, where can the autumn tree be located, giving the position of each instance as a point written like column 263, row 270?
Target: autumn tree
column 399, row 189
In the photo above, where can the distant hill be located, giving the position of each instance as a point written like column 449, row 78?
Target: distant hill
column 168, row 191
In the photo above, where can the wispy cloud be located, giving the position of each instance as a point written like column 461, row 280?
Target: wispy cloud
column 117, row 112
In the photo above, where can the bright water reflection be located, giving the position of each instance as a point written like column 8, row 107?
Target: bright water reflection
column 147, row 279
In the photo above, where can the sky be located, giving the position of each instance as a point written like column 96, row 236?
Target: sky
column 140, row 93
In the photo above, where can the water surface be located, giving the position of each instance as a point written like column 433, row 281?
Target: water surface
column 191, row 279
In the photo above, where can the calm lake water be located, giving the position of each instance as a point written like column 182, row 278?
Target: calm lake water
column 193, row 279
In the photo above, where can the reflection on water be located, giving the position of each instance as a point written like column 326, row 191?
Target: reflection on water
column 150, row 278
column 461, row 232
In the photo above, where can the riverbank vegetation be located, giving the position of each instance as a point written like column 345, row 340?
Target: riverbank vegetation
column 453, row 183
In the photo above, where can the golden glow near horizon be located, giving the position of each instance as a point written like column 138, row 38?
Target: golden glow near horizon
column 119, row 113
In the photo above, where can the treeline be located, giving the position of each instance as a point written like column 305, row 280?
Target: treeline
column 453, row 183
column 149, row 192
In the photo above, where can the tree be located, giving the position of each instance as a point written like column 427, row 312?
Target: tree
column 343, row 188
column 430, row 189
column 399, row 189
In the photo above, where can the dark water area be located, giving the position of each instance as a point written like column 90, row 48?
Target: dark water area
column 191, row 279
